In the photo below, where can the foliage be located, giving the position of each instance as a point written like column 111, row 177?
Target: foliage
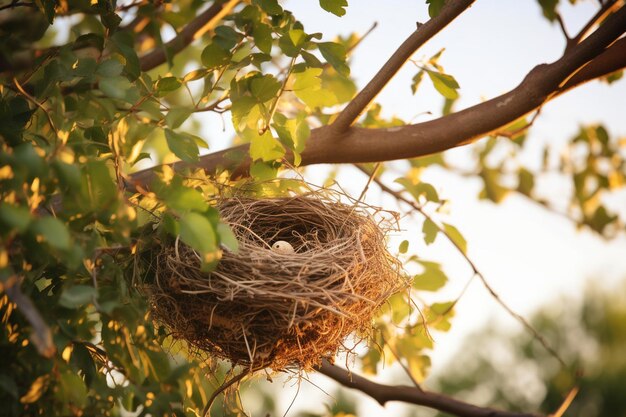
column 590, row 336
column 79, row 116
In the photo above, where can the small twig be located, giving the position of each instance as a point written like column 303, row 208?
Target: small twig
column 41, row 335
column 418, row 38
column 602, row 14
column 561, row 23
column 36, row 103
column 369, row 181
column 566, row 402
column 225, row 385
column 406, row 370
column 474, row 268
column 514, row 133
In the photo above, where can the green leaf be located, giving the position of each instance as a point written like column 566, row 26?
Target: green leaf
column 262, row 35
column 493, row 190
column 335, row 54
column 297, row 37
column 431, row 279
column 72, row 391
column 417, row 79
column 214, row 56
column 445, row 84
column 177, row 116
column 264, row 88
column 548, row 7
column 53, row 231
column 421, row 189
column 110, row 68
column 166, row 85
column 227, row 237
column 197, row 231
column 263, row 147
column 97, row 186
column 336, row 7
column 404, row 246
column 270, row 7
column 226, row 37
column 456, row 237
column 438, row 315
column 434, row 7
column 183, row 146
column 115, row 87
column 430, row 230
column 526, row 181
column 78, row 296
column 263, row 171
column 68, row 174
column 184, row 199
column 308, row 88
column 14, row 217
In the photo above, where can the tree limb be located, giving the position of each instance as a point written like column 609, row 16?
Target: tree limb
column 597, row 55
column 194, row 29
column 41, row 335
column 411, row 395
column 418, row 38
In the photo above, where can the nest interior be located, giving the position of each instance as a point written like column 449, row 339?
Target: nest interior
column 262, row 308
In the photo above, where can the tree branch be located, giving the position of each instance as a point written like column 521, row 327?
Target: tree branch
column 423, row 33
column 411, row 395
column 41, row 334
column 543, row 83
column 194, row 29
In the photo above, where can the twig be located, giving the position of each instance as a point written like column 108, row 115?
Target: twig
column 424, row 33
column 473, row 266
column 36, row 103
column 41, row 335
column 385, row 393
column 602, row 14
column 566, row 402
column 225, row 385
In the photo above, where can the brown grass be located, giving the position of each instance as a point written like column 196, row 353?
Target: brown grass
column 260, row 308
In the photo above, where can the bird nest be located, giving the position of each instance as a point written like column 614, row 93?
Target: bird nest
column 263, row 307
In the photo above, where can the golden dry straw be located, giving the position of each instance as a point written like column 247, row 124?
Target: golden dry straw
column 262, row 307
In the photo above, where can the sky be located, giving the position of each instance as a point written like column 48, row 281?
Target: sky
column 531, row 257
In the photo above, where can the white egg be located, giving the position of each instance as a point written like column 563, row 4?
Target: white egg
column 281, row 246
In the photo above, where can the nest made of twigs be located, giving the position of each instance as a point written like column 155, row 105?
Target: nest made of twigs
column 261, row 308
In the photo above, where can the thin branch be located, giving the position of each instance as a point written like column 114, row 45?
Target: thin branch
column 418, row 38
column 536, row 335
column 586, row 61
column 36, row 103
column 411, row 395
column 194, row 29
column 41, row 335
column 604, row 11
column 225, row 385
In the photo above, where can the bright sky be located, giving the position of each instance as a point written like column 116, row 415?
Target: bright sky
column 528, row 255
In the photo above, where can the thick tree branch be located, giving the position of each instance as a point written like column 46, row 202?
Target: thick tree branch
column 411, row 395
column 194, row 29
column 598, row 55
column 611, row 60
column 423, row 33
